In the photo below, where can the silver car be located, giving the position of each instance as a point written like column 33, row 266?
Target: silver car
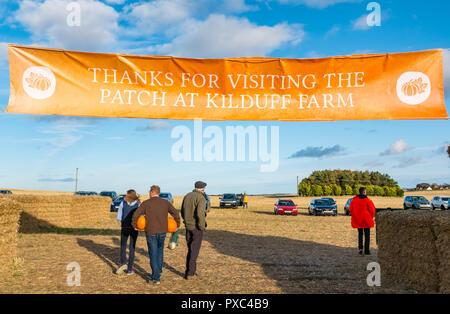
column 416, row 202
column 440, row 202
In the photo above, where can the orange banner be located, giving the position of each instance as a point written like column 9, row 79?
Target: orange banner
column 359, row 87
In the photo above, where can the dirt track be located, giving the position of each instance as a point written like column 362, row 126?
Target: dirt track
column 243, row 252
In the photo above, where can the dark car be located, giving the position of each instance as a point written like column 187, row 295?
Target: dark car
column 322, row 206
column 5, row 192
column 416, row 202
column 111, row 194
column 229, row 200
column 167, row 196
column 116, row 203
column 347, row 207
column 86, row 193
column 283, row 207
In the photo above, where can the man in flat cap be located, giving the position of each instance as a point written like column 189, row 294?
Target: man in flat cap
column 193, row 211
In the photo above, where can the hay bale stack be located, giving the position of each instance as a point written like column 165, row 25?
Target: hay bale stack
column 44, row 211
column 9, row 225
column 64, row 211
column 89, row 209
column 414, row 249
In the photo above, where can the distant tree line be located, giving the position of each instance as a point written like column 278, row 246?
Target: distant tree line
column 433, row 186
column 348, row 182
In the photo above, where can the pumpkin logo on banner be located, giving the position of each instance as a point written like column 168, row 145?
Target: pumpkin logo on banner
column 39, row 82
column 413, row 88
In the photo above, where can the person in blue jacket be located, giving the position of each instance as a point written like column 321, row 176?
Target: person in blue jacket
column 125, row 213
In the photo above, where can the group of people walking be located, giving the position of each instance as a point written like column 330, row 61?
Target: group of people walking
column 156, row 210
column 194, row 210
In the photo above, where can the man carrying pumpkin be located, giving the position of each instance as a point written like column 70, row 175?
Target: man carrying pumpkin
column 362, row 210
column 156, row 210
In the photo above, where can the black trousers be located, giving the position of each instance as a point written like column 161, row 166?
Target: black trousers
column 124, row 235
column 366, row 234
column 194, row 242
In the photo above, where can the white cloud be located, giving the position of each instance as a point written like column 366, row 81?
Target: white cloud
column 115, row 1
column 333, row 30
column 237, row 6
column 408, row 162
column 318, row 4
column 222, row 36
column 361, row 23
column 47, row 22
column 156, row 125
column 159, row 16
column 397, row 147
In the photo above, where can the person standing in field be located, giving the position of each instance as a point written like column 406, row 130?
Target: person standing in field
column 193, row 211
column 362, row 210
column 245, row 201
column 125, row 213
column 156, row 210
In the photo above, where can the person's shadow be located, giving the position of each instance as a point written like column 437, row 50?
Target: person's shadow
column 294, row 264
column 109, row 255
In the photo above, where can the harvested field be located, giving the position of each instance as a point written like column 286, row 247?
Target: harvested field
column 244, row 251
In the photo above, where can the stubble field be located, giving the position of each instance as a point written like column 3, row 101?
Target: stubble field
column 244, row 251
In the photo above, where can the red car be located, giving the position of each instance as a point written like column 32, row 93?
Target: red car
column 283, row 207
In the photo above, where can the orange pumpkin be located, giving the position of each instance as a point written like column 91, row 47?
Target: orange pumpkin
column 141, row 223
column 171, row 225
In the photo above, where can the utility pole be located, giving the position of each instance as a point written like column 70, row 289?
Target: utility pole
column 76, row 180
column 296, row 189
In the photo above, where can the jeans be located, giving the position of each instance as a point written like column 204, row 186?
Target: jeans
column 194, row 242
column 366, row 233
column 245, row 206
column 174, row 237
column 126, row 233
column 155, row 243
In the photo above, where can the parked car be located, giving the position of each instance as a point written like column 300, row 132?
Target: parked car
column 5, row 192
column 347, row 207
column 322, row 206
column 116, row 203
column 111, row 194
column 229, row 200
column 166, row 196
column 285, row 206
column 416, row 202
column 440, row 202
column 86, row 193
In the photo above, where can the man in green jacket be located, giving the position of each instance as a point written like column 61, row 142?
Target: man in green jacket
column 193, row 211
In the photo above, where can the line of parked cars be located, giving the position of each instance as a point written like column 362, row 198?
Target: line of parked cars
column 5, row 192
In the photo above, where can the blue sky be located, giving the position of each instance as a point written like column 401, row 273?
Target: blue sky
column 41, row 152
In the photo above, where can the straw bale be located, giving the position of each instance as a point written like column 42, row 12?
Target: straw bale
column 414, row 249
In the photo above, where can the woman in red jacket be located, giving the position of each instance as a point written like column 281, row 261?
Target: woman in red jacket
column 362, row 210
